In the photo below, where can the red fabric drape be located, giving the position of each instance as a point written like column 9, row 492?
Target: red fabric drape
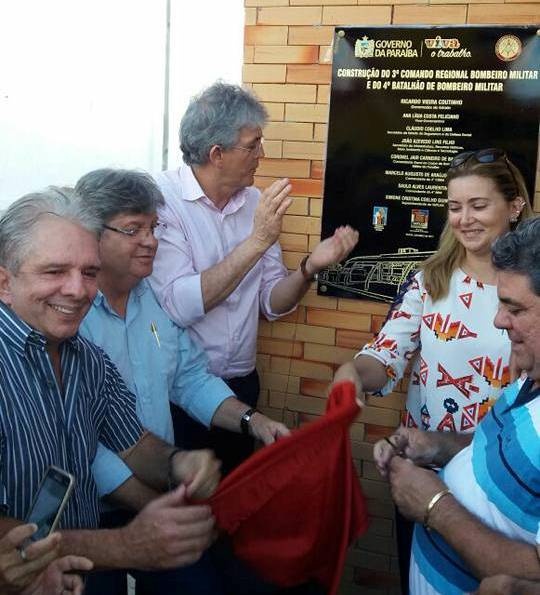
column 294, row 507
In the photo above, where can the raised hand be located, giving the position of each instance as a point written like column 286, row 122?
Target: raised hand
column 273, row 204
column 333, row 249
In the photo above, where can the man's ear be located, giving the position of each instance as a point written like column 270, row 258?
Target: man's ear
column 5, row 286
column 215, row 156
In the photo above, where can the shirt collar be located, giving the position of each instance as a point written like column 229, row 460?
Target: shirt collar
column 19, row 334
column 101, row 301
column 192, row 191
column 526, row 394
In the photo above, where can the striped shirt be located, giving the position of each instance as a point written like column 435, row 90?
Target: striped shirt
column 41, row 425
column 496, row 478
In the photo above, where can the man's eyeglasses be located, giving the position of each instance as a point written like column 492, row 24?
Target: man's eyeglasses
column 253, row 148
column 484, row 156
column 137, row 232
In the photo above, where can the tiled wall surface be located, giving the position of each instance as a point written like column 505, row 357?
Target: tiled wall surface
column 287, row 63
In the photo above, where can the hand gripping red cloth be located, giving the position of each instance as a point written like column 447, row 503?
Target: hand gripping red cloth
column 294, row 507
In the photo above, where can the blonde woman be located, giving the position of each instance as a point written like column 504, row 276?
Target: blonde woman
column 443, row 319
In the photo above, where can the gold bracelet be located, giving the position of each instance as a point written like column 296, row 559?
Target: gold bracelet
column 431, row 505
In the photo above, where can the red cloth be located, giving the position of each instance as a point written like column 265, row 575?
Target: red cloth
column 294, row 507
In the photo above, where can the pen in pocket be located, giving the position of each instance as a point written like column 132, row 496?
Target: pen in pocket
column 153, row 330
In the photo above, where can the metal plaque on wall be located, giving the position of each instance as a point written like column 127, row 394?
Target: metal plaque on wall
column 403, row 102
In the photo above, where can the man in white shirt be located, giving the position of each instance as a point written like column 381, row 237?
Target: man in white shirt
column 218, row 262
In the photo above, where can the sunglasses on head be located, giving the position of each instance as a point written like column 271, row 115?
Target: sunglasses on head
column 482, row 156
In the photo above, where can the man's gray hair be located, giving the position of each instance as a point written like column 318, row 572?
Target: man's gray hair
column 18, row 222
column 215, row 117
column 110, row 192
column 518, row 251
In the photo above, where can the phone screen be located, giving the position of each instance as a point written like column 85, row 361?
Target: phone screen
column 49, row 501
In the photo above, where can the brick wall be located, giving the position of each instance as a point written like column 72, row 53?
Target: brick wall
column 287, row 62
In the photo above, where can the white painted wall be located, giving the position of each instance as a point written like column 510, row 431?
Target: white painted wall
column 207, row 43
column 82, row 82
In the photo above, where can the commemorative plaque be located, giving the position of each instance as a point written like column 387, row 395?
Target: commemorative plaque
column 403, row 102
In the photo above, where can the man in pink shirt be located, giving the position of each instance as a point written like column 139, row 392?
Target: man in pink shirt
column 218, row 262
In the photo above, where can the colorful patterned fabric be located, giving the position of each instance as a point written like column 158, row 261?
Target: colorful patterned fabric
column 497, row 478
column 460, row 359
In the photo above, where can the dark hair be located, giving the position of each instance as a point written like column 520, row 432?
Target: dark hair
column 518, row 251
column 215, row 117
column 108, row 192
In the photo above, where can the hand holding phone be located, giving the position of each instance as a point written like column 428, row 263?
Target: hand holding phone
column 50, row 501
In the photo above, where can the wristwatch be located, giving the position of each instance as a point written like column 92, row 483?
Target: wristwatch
column 304, row 272
column 245, row 419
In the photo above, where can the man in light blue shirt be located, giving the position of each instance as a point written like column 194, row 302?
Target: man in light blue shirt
column 158, row 362
column 157, row 359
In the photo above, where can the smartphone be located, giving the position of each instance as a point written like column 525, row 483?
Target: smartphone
column 50, row 501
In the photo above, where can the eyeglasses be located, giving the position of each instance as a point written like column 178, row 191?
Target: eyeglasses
column 484, row 156
column 136, row 233
column 254, row 148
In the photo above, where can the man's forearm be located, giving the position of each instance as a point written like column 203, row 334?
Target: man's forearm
column 486, row 551
column 219, row 281
column 148, row 460
column 107, row 548
column 229, row 413
column 287, row 292
column 132, row 494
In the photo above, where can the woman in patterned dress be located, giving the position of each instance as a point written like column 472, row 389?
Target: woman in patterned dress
column 441, row 323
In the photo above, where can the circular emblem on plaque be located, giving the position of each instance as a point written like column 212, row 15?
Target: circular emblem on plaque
column 508, row 48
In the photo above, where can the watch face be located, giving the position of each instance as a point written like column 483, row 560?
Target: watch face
column 508, row 48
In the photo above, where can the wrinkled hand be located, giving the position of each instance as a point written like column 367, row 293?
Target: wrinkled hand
column 168, row 533
column 59, row 578
column 198, row 470
column 273, row 204
column 265, row 429
column 420, row 447
column 347, row 371
column 332, row 250
column 412, row 487
column 16, row 573
column 502, row 584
